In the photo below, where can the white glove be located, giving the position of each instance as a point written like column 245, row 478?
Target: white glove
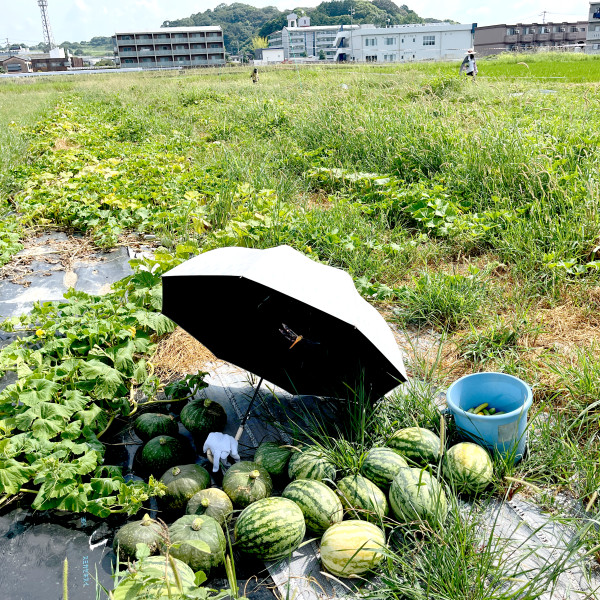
column 222, row 447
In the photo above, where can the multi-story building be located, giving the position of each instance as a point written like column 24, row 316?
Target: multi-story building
column 403, row 43
column 593, row 29
column 171, row 47
column 300, row 39
column 522, row 37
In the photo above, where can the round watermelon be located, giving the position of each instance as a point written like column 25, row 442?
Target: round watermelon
column 246, row 482
column 352, row 548
column 415, row 495
column 362, row 499
column 319, row 504
column 273, row 457
column 381, row 466
column 271, row 528
column 418, row 444
column 311, row 463
column 468, row 467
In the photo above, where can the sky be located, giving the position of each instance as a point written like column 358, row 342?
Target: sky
column 79, row 20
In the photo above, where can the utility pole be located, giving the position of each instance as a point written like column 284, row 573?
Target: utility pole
column 543, row 15
column 351, row 13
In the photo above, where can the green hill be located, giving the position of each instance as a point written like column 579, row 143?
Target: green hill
column 241, row 22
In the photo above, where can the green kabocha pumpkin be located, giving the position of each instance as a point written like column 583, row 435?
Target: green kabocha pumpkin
column 211, row 502
column 145, row 531
column 273, row 457
column 150, row 425
column 311, row 463
column 271, row 528
column 182, row 482
column 246, row 482
column 198, row 528
column 201, row 416
column 163, row 452
column 362, row 499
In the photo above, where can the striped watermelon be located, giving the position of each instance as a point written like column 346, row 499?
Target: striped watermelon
column 352, row 548
column 273, row 457
column 319, row 504
column 311, row 463
column 381, row 466
column 246, row 482
column 416, row 495
column 469, row 467
column 362, row 499
column 418, row 444
column 270, row 529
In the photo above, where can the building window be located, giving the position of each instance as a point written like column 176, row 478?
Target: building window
column 429, row 40
column 582, row 29
column 389, row 57
column 414, row 40
column 371, row 58
column 371, row 42
column 389, row 41
column 403, row 40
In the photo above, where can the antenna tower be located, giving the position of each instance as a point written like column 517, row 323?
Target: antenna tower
column 48, row 39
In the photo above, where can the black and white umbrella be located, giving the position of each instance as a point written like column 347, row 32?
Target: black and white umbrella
column 295, row 322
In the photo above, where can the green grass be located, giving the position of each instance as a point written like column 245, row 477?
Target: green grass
column 467, row 208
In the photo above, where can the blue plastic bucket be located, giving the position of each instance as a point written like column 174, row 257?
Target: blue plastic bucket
column 505, row 434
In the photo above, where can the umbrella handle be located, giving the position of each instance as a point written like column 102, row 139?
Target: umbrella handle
column 240, row 430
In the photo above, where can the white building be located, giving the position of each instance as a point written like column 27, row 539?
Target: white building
column 402, row 43
column 300, row 39
column 268, row 56
column 592, row 45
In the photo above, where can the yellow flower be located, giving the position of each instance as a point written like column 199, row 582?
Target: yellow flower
column 40, row 333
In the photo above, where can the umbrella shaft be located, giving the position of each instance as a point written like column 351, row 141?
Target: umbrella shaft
column 241, row 429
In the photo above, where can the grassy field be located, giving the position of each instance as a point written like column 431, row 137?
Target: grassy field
column 466, row 208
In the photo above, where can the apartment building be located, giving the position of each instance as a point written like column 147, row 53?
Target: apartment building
column 522, row 37
column 300, row 39
column 593, row 31
column 171, row 47
column 404, row 43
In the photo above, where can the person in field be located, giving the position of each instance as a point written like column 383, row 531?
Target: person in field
column 469, row 66
column 254, row 76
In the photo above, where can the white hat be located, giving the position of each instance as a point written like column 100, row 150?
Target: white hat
column 470, row 51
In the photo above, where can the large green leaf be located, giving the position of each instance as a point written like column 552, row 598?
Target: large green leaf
column 38, row 390
column 106, row 379
column 13, row 475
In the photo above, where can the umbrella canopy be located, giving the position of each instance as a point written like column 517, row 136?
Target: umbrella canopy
column 276, row 313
